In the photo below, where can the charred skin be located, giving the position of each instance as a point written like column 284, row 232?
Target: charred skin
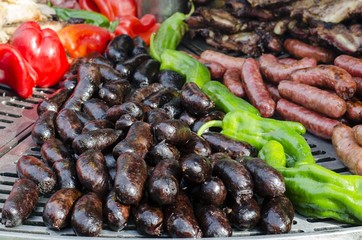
column 171, row 79
column 132, row 108
column 92, row 172
column 141, row 94
column 130, row 178
column 114, row 92
column 36, row 170
column 58, row 209
column 161, row 97
column 95, row 108
column 244, row 215
column 53, row 102
column 54, row 150
column 97, row 124
column 87, row 215
column 20, row 203
column 69, row 125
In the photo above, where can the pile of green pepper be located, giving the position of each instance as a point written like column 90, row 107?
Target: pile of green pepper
column 314, row 190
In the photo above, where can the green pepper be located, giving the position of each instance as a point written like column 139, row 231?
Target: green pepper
column 226, row 100
column 257, row 131
column 180, row 62
column 273, row 154
column 89, row 17
column 321, row 193
column 169, row 34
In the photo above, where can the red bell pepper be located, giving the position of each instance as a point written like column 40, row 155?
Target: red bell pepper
column 133, row 26
column 81, row 39
column 110, row 8
column 16, row 72
column 43, row 50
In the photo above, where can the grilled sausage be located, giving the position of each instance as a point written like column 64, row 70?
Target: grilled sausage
column 116, row 214
column 69, row 125
column 108, row 73
column 197, row 145
column 354, row 110
column 351, row 64
column 195, row 168
column 156, row 115
column 89, row 79
column 130, row 178
column 66, row 173
column 138, row 140
column 132, row 108
column 232, row 80
column 20, row 203
column 125, row 122
column 300, row 49
column 347, row 148
column 149, row 220
column 268, row 182
column 53, row 102
column 87, row 215
column 313, row 98
column 174, row 107
column 119, row 49
column 315, row 123
column 180, row 219
column 162, row 151
column 328, row 76
column 54, row 150
column 163, row 183
column 127, row 68
column 173, row 131
column 236, row 178
column 195, row 101
column 287, row 61
column 36, row 170
column 146, row 73
column 213, row 115
column 275, row 72
column 141, row 94
column 57, row 210
column 273, row 91
column 114, row 92
column 225, row 60
column 213, row 222
column 44, row 127
column 160, row 98
column 99, row 139
column 233, row 148
column 92, row 172
column 277, row 215
column 358, row 81
column 97, row 124
column 255, row 88
column 212, row 192
column 245, row 214
column 95, row 108
column 171, row 79
column 357, row 130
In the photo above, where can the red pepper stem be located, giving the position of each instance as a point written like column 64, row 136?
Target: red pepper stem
column 209, row 124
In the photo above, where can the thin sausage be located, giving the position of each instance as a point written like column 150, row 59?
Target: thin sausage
column 351, row 64
column 225, row 60
column 313, row 98
column 328, row 76
column 300, row 49
column 288, row 61
column 275, row 72
column 347, row 148
column 255, row 88
column 315, row 123
column 273, row 91
column 232, row 80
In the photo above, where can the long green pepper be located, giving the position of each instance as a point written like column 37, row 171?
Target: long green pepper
column 169, row 34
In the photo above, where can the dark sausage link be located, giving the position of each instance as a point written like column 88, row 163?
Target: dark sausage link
column 173, row 131
column 53, row 102
column 20, row 203
column 87, row 215
column 54, row 150
column 149, row 220
column 57, row 210
column 245, row 214
column 162, row 151
column 114, row 92
column 116, row 213
column 95, row 108
column 44, row 127
column 213, row 222
column 195, row 168
column 195, row 101
column 36, row 170
column 69, row 125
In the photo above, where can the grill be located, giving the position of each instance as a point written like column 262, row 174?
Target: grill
column 17, row 117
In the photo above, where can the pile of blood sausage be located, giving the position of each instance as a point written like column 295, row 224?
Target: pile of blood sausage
column 316, row 87
column 118, row 146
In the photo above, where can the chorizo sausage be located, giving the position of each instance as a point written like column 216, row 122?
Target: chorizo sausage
column 255, row 88
column 232, row 80
column 328, row 76
column 225, row 60
column 313, row 98
column 351, row 64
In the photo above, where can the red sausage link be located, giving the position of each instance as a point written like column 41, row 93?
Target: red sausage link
column 275, row 72
column 315, row 123
column 288, row 61
column 354, row 110
column 350, row 64
column 255, row 88
column 225, row 60
column 232, row 80
column 300, row 49
column 313, row 98
column 273, row 91
column 328, row 76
